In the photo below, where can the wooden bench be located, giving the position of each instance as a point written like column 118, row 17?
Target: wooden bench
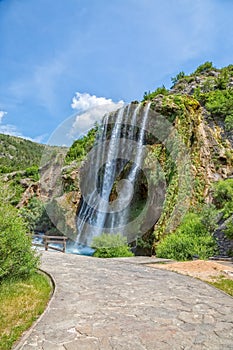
column 51, row 239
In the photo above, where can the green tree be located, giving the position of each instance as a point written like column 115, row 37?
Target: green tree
column 178, row 77
column 205, row 67
column 17, row 258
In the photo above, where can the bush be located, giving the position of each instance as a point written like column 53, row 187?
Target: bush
column 223, row 196
column 205, row 67
column 229, row 122
column 229, row 229
column 209, row 217
column 82, row 146
column 220, row 103
column 111, row 246
column 191, row 239
column 32, row 172
column 17, row 259
column 223, row 79
column 159, row 91
column 178, row 77
column 35, row 215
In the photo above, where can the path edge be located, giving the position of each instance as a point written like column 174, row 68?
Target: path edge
column 21, row 342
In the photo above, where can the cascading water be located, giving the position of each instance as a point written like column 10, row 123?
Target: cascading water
column 111, row 173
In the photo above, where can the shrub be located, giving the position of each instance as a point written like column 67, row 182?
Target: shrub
column 220, row 102
column 82, row 146
column 222, row 80
column 159, row 91
column 32, row 172
column 17, row 259
column 111, row 246
column 178, row 77
column 34, row 214
column 205, row 67
column 229, row 122
column 229, row 229
column 191, row 239
column 223, row 196
column 209, row 217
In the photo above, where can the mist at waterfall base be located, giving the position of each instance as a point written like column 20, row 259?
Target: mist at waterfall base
column 113, row 177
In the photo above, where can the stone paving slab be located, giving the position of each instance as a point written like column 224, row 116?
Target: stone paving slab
column 111, row 304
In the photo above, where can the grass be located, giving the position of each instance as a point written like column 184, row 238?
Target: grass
column 21, row 302
column 224, row 284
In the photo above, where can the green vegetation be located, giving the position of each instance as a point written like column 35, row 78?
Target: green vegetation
column 229, row 231
column 21, row 302
column 194, row 235
column 216, row 95
column 223, row 197
column 205, row 67
column 191, row 239
column 226, row 285
column 111, row 246
column 81, row 147
column 220, row 104
column 35, row 215
column 159, row 91
column 32, row 173
column 17, row 259
column 178, row 77
column 23, row 292
column 18, row 154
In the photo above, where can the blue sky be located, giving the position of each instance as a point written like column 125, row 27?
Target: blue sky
column 50, row 50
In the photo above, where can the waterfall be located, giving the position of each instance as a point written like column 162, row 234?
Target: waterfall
column 111, row 172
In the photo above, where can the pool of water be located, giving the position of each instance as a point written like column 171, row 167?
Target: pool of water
column 71, row 247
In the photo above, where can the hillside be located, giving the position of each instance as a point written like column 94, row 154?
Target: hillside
column 18, row 154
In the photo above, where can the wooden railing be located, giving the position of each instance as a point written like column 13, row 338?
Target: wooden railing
column 51, row 239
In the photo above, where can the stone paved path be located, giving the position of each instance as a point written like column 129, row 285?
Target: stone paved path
column 120, row 304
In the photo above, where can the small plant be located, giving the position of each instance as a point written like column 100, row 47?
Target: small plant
column 111, row 246
column 229, row 122
column 159, row 91
column 223, row 196
column 205, row 67
column 178, row 77
column 223, row 79
column 209, row 217
column 229, row 229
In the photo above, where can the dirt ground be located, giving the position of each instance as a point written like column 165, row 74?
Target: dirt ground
column 205, row 270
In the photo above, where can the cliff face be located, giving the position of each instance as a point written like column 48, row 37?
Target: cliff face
column 210, row 159
column 194, row 153
column 200, row 108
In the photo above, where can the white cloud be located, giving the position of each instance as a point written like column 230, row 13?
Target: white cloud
column 91, row 109
column 10, row 129
column 2, row 114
